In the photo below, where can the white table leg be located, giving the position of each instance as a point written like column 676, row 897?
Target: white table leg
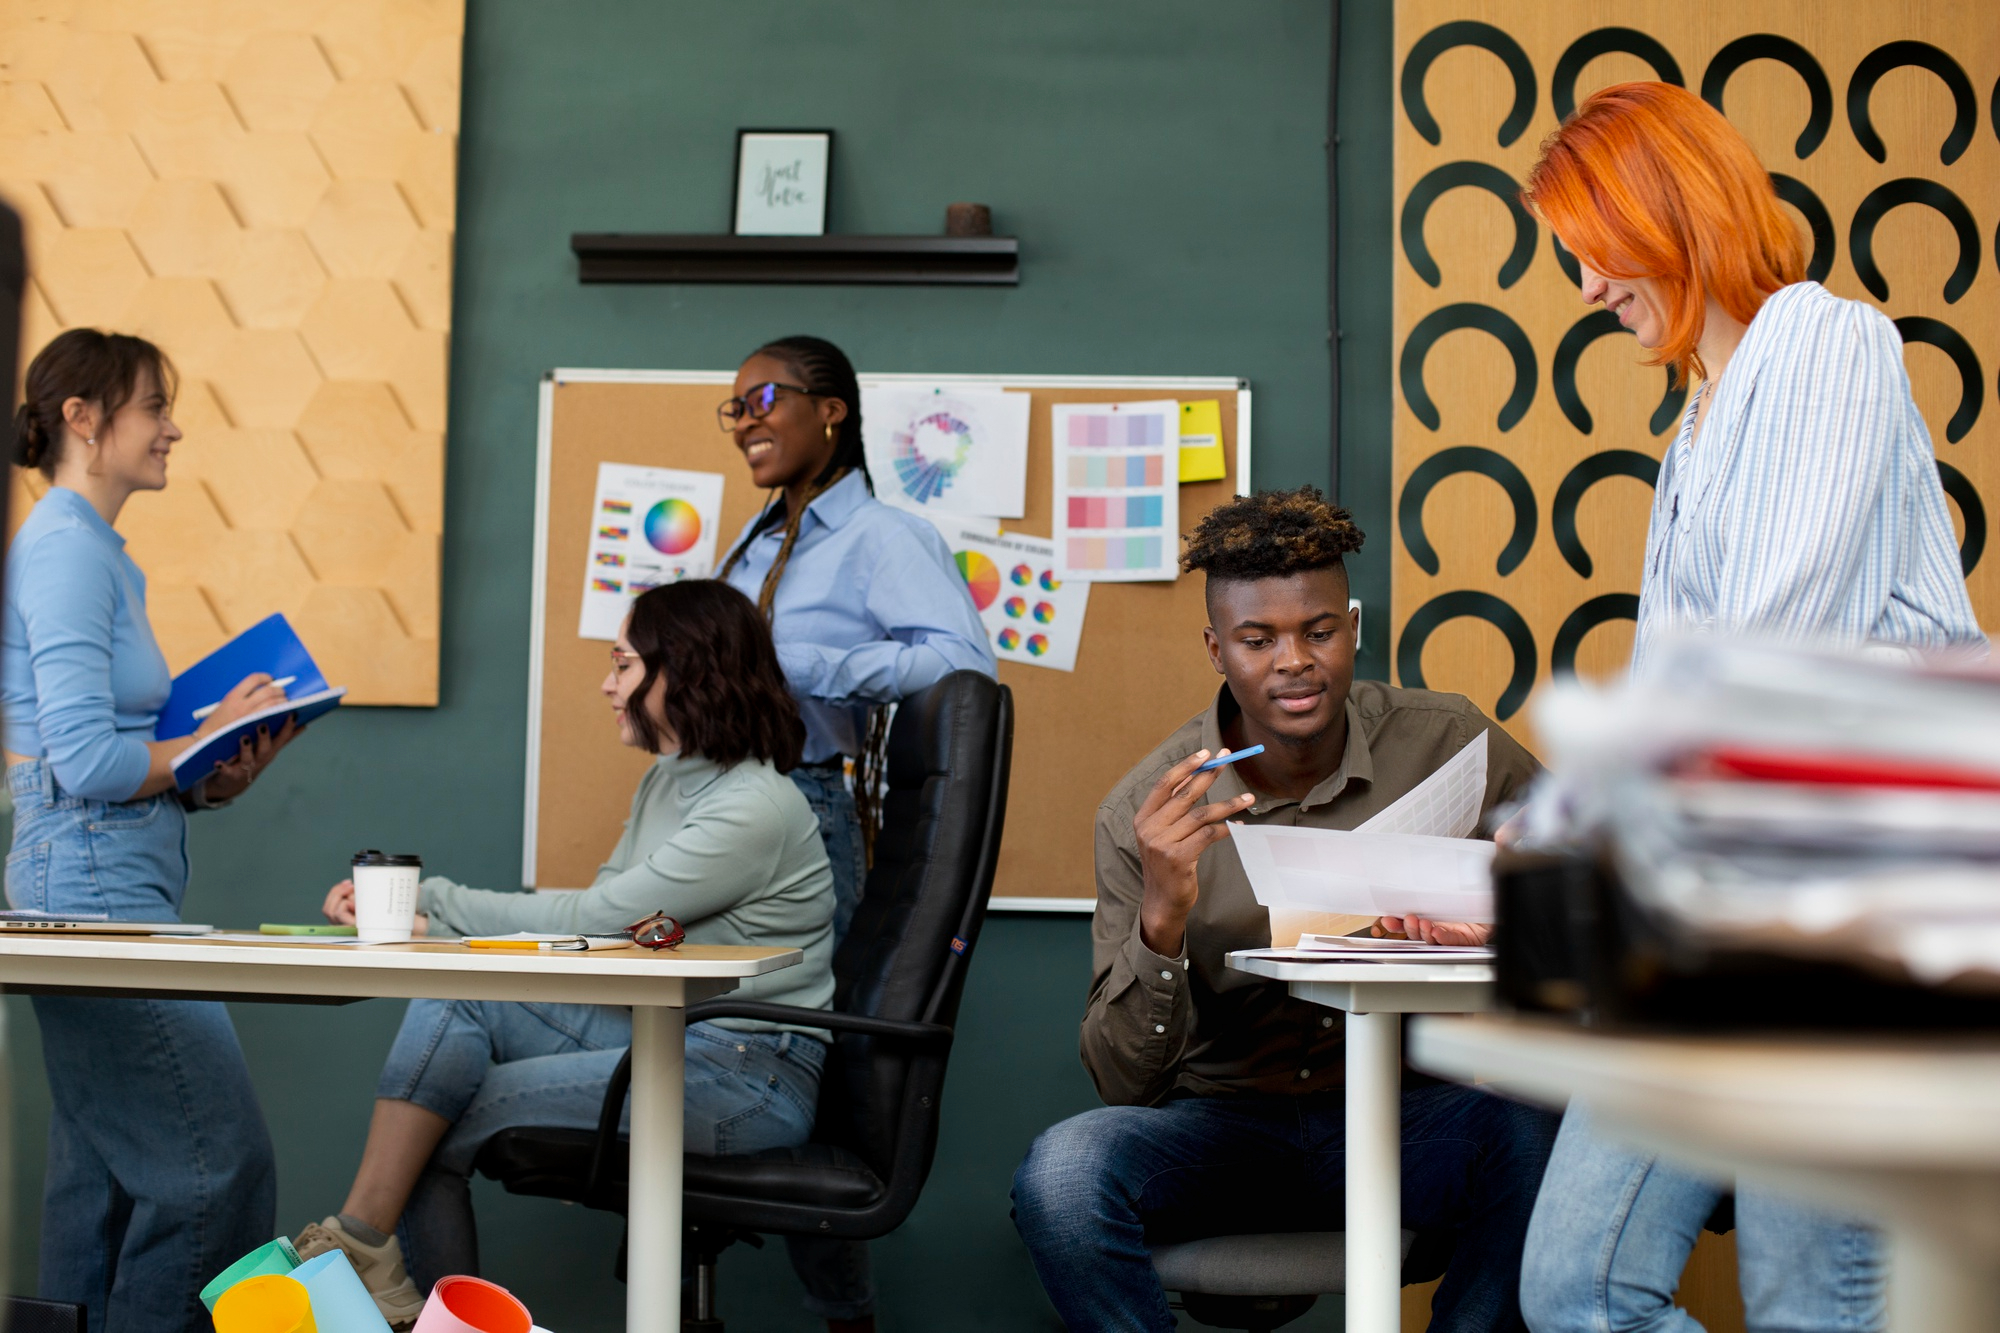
column 1374, row 1173
column 653, row 1216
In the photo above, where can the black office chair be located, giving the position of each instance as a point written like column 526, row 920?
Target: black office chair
column 898, row 977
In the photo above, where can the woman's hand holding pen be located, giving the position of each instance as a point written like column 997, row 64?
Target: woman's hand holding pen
column 1174, row 830
column 233, row 777
column 253, row 692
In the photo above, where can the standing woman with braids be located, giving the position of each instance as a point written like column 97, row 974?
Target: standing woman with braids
column 866, row 606
column 159, row 1170
column 864, row 601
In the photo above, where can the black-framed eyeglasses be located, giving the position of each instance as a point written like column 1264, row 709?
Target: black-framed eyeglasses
column 658, row 931
column 755, row 403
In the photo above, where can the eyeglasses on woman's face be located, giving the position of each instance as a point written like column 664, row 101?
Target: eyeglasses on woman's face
column 623, row 659
column 755, row 403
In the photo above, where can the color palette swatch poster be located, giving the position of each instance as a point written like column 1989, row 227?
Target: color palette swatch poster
column 648, row 526
column 1117, row 491
column 939, row 449
column 1032, row 614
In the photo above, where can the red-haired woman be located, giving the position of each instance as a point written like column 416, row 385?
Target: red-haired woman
column 1799, row 500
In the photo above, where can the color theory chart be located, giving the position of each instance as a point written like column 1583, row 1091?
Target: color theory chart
column 945, row 450
column 1032, row 614
column 648, row 526
column 1117, row 491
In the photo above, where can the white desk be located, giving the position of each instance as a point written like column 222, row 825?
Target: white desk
column 1374, row 997
column 658, row 986
column 1903, row 1127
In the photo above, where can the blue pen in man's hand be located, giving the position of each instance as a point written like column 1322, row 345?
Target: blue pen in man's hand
column 1229, row 758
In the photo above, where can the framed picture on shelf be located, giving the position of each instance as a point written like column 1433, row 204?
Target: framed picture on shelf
column 781, row 178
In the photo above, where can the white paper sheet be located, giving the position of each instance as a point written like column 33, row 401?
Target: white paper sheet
column 1032, row 615
column 648, row 526
column 1376, row 874
column 944, row 449
column 1412, row 858
column 1444, row 805
column 1117, row 490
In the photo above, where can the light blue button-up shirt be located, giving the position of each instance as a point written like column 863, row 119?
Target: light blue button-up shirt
column 1809, row 509
column 870, row 608
column 81, row 677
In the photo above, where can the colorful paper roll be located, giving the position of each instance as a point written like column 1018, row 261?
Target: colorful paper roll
column 472, row 1305
column 267, row 1303
column 340, row 1303
column 276, row 1256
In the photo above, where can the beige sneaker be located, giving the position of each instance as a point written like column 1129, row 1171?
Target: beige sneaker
column 380, row 1267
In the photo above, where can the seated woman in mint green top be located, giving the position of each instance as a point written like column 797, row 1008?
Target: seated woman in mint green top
column 719, row 839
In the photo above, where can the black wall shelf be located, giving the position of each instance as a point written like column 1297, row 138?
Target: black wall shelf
column 982, row 261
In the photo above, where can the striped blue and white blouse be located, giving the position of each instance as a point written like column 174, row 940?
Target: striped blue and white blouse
column 1810, row 509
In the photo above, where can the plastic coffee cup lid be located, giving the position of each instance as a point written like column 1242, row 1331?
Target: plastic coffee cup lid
column 371, row 857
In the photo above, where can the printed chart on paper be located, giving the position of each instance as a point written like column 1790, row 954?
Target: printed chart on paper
column 648, row 526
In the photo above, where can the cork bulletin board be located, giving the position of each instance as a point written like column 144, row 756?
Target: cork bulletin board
column 1140, row 670
column 1526, row 433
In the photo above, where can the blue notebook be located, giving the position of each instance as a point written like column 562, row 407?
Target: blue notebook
column 269, row 646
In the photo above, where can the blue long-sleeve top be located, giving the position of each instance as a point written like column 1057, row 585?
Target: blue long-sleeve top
column 82, row 680
column 870, row 608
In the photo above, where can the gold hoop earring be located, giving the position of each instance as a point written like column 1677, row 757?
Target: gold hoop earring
column 829, row 432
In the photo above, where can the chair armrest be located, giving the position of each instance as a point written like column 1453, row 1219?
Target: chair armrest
column 895, row 1029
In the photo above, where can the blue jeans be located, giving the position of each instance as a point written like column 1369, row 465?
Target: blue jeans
column 160, row 1172
column 1614, row 1227
column 489, row 1065
column 825, row 790
column 1097, row 1191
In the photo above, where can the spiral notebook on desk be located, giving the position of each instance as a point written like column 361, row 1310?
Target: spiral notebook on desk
column 270, row 646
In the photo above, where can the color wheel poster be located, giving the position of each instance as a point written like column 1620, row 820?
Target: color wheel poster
column 648, row 526
column 937, row 449
column 1117, row 490
column 1032, row 614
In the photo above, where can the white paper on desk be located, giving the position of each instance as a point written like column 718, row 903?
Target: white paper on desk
column 323, row 941
column 1372, row 874
column 1444, row 805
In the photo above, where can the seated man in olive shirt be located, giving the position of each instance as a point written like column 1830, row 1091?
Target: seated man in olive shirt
column 1224, row 1094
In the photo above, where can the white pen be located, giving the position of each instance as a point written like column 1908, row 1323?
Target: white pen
column 202, row 712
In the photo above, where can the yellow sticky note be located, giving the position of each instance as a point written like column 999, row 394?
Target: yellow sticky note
column 1201, row 442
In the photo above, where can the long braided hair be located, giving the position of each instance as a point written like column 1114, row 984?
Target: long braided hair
column 825, row 372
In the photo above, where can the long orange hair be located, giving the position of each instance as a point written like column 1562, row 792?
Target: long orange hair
column 1646, row 180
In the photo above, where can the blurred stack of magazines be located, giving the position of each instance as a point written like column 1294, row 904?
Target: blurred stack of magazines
column 1765, row 832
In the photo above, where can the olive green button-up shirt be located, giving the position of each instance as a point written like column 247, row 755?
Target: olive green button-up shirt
column 1156, row 1026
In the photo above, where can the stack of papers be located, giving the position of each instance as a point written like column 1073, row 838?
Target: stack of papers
column 1774, row 798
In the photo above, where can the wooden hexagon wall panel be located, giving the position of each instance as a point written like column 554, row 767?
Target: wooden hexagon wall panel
column 267, row 191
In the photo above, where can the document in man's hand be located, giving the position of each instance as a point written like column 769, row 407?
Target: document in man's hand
column 1414, row 858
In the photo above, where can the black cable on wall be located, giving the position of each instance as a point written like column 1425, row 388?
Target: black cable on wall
column 1333, row 253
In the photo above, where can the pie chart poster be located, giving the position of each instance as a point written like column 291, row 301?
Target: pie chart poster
column 1031, row 615
column 648, row 526
column 947, row 450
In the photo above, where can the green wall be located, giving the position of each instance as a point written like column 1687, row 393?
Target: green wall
column 1162, row 163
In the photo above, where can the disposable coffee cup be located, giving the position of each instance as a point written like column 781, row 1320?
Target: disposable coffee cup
column 385, row 896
